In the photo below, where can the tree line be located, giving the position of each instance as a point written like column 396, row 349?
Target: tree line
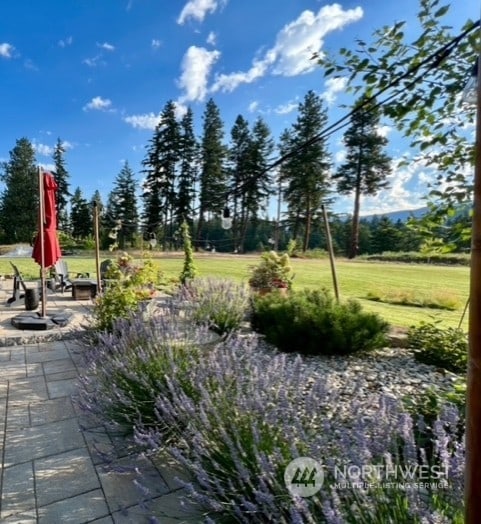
column 201, row 179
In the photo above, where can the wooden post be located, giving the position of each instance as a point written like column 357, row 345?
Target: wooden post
column 41, row 232
column 97, row 247
column 330, row 249
column 473, row 394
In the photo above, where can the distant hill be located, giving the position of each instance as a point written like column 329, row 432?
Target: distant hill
column 402, row 215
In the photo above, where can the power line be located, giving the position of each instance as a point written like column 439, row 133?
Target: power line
column 434, row 59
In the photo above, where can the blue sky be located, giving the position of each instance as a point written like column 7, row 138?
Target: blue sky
column 96, row 73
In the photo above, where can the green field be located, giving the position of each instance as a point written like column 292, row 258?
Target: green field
column 356, row 279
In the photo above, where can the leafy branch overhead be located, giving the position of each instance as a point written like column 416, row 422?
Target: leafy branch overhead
column 418, row 83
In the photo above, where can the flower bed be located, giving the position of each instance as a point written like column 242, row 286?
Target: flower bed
column 235, row 413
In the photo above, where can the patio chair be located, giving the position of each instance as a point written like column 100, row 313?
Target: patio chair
column 62, row 276
column 22, row 294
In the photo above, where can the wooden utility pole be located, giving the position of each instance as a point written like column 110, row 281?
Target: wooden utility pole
column 97, row 247
column 330, row 249
column 41, row 232
column 473, row 393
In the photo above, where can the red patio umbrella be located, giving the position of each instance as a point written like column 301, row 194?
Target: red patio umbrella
column 46, row 250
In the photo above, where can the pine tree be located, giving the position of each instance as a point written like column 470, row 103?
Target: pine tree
column 80, row 215
column 159, row 188
column 61, row 177
column 189, row 153
column 366, row 167
column 250, row 179
column 306, row 170
column 213, row 184
column 122, row 206
column 239, row 172
column 19, row 200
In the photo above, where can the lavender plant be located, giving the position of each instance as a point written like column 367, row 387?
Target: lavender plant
column 220, row 303
column 266, row 411
column 130, row 367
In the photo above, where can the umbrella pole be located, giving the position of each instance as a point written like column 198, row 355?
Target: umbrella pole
column 43, row 291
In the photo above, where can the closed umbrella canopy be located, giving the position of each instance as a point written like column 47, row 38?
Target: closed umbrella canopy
column 51, row 247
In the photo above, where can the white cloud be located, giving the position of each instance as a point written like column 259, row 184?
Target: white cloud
column 299, row 40
column 233, row 80
column 253, row 106
column 383, row 130
column 146, row 121
column 285, row 109
column 211, row 38
column 99, row 104
column 295, row 45
column 340, row 156
column 6, row 50
column 334, row 86
column 42, row 149
column 155, row 44
column 198, row 9
column 67, row 145
column 94, row 61
column 66, row 42
column 106, row 46
column 196, row 66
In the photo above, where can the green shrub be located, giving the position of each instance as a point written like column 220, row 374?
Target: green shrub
column 220, row 303
column 312, row 322
column 445, row 348
column 129, row 285
column 188, row 269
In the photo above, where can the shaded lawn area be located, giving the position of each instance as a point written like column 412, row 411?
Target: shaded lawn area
column 356, row 279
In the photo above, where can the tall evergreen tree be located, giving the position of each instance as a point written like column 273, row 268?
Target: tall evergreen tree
column 19, row 200
column 366, row 167
column 160, row 165
column 61, row 177
column 80, row 215
column 123, row 206
column 189, row 153
column 306, row 170
column 255, row 183
column 239, row 156
column 213, row 183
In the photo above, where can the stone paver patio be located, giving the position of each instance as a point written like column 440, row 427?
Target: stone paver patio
column 54, row 466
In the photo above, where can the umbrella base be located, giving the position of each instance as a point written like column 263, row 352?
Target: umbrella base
column 34, row 321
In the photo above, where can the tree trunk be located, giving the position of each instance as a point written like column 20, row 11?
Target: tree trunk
column 307, row 232
column 357, row 206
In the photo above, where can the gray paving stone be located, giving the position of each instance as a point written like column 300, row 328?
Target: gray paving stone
column 27, row 517
column 99, row 445
column 28, row 389
column 18, row 493
column 12, row 370
column 123, row 485
column 46, row 355
column 173, row 506
column 62, row 375
column 3, row 387
column 57, row 366
column 105, row 520
column 17, row 354
column 18, row 415
column 42, row 441
column 5, row 356
column 51, row 411
column 61, row 388
column 76, row 510
column 34, row 370
column 63, row 476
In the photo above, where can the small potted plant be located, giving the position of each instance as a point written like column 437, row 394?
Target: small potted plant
column 273, row 272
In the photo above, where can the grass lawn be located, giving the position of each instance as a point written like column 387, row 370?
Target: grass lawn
column 356, row 279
